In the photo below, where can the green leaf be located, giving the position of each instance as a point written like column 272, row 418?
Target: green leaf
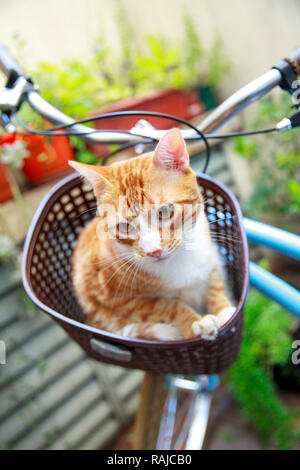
column 86, row 156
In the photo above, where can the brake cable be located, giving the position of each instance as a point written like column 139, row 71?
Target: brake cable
column 285, row 124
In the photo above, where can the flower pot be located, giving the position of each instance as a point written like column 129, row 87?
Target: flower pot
column 5, row 191
column 180, row 103
column 48, row 157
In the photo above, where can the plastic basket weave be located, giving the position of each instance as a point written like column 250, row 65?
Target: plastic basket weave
column 47, row 269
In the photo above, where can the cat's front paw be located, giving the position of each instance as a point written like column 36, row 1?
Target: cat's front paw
column 207, row 327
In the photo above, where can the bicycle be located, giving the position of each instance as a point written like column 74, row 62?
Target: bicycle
column 161, row 394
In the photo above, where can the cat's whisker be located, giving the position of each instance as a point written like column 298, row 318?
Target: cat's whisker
column 212, row 198
column 219, row 219
column 115, row 263
column 225, row 235
column 116, row 272
column 224, row 243
column 139, row 264
column 221, row 242
column 131, row 270
column 174, row 248
column 88, row 210
column 232, row 241
column 132, row 264
column 108, row 260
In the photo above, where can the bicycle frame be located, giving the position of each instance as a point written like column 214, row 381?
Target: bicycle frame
column 264, row 281
column 279, row 240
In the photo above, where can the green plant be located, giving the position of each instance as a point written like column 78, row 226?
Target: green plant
column 155, row 63
column 158, row 68
column 71, row 86
column 166, row 64
column 77, row 87
column 218, row 64
column 83, row 155
column 8, row 249
column 267, row 341
column 275, row 160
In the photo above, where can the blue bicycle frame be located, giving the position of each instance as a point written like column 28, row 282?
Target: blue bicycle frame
column 264, row 281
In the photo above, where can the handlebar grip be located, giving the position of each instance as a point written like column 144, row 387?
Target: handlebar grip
column 294, row 57
column 8, row 64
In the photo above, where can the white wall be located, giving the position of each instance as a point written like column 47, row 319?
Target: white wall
column 256, row 33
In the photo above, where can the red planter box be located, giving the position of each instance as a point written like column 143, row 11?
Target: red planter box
column 182, row 104
column 48, row 157
column 5, row 191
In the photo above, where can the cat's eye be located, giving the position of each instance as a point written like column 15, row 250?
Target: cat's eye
column 165, row 212
column 125, row 229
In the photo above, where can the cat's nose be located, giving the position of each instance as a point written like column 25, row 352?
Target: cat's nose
column 155, row 254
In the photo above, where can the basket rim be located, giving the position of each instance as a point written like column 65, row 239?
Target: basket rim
column 31, row 239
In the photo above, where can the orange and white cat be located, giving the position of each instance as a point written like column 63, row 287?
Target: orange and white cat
column 148, row 268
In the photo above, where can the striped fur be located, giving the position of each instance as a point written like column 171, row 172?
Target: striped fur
column 151, row 282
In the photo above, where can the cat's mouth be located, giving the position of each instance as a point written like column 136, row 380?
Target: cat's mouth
column 163, row 256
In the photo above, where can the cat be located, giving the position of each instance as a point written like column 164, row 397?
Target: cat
column 146, row 266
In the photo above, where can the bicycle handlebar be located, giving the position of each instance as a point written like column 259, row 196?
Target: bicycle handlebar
column 8, row 64
column 238, row 101
column 230, row 107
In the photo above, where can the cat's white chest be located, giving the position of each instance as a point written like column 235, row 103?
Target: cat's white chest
column 188, row 278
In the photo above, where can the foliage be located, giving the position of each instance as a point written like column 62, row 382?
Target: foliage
column 83, row 155
column 77, row 87
column 218, row 65
column 275, row 158
column 8, row 249
column 158, row 68
column 166, row 64
column 267, row 341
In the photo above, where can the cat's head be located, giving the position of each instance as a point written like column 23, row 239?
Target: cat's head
column 149, row 204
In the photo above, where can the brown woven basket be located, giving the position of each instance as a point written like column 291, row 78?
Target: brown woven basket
column 46, row 276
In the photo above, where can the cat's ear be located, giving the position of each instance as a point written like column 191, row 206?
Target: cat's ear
column 171, row 152
column 93, row 174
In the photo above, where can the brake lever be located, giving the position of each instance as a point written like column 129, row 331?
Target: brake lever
column 6, row 123
column 11, row 98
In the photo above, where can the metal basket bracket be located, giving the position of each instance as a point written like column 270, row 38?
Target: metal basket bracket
column 111, row 351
